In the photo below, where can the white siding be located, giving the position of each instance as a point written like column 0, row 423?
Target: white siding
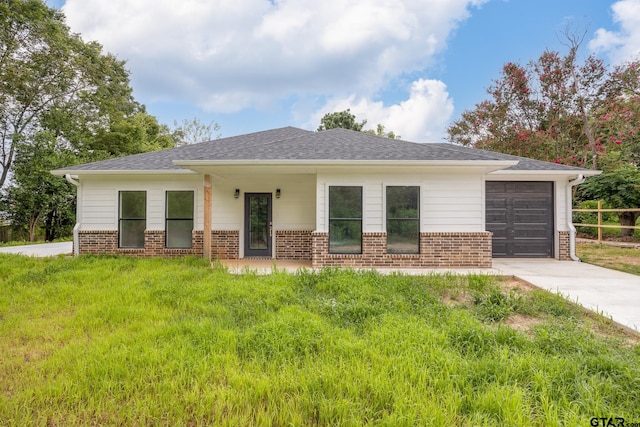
column 453, row 203
column 448, row 202
column 373, row 206
column 294, row 210
column 99, row 206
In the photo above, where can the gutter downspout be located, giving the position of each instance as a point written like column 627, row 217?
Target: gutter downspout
column 76, row 240
column 572, row 230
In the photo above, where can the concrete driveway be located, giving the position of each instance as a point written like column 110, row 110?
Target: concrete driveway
column 40, row 250
column 612, row 293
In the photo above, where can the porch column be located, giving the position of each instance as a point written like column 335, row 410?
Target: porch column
column 206, row 239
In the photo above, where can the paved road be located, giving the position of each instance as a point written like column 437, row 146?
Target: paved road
column 40, row 250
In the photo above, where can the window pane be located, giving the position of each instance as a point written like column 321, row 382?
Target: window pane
column 403, row 202
column 403, row 219
column 258, row 221
column 345, row 237
column 179, row 233
column 345, row 202
column 180, row 204
column 133, row 204
column 132, row 233
column 403, row 236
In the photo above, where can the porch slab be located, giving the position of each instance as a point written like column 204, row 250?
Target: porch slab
column 268, row 265
column 264, row 265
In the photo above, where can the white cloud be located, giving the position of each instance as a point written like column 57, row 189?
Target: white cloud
column 423, row 117
column 622, row 45
column 226, row 55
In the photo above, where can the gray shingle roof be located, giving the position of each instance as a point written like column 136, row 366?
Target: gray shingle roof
column 298, row 144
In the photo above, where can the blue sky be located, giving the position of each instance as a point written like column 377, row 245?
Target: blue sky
column 411, row 65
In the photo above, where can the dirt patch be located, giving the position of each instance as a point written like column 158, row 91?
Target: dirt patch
column 510, row 283
column 522, row 323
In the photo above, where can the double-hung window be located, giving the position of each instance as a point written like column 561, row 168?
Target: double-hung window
column 403, row 219
column 132, row 219
column 345, row 220
column 179, row 219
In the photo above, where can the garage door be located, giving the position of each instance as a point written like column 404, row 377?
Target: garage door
column 520, row 216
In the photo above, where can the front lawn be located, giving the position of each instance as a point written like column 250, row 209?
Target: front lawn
column 117, row 341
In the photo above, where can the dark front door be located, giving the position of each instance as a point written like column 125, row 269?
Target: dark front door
column 520, row 216
column 257, row 224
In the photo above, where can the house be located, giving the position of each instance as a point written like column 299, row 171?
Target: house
column 337, row 198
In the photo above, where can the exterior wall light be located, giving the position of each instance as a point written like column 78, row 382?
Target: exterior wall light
column 237, row 193
column 277, row 193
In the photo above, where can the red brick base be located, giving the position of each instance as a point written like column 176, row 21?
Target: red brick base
column 224, row 244
column 293, row 244
column 564, row 245
column 436, row 250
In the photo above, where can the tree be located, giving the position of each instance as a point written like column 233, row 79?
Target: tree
column 380, row 131
column 620, row 188
column 341, row 119
column 347, row 120
column 194, row 131
column 36, row 198
column 62, row 102
column 547, row 110
column 42, row 67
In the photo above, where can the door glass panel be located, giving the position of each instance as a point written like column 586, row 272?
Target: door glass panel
column 258, row 221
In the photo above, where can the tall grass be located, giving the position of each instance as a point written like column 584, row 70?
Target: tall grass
column 118, row 341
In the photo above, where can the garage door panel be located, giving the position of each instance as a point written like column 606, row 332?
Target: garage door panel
column 530, row 217
column 496, row 218
column 530, row 250
column 520, row 216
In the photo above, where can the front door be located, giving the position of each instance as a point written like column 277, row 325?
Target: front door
column 257, row 224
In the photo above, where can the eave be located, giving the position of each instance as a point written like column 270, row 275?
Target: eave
column 63, row 172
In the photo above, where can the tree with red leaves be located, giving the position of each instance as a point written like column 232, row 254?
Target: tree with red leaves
column 558, row 110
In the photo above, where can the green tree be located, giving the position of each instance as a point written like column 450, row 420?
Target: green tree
column 194, row 131
column 381, row 131
column 137, row 133
column 341, row 119
column 62, row 102
column 43, row 68
column 35, row 198
column 619, row 188
column 347, row 120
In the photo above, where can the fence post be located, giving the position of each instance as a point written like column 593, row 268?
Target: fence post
column 599, row 221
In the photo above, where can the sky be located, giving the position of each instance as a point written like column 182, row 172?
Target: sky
column 411, row 65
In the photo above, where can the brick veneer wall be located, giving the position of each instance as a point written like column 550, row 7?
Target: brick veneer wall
column 97, row 242
column 564, row 245
column 465, row 249
column 225, row 244
column 293, row 244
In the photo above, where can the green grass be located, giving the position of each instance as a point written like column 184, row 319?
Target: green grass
column 617, row 258
column 118, row 341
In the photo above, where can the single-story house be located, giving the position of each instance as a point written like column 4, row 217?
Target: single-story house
column 337, row 198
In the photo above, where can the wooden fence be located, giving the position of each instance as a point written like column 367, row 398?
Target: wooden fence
column 600, row 225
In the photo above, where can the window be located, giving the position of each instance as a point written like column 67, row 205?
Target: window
column 345, row 220
column 403, row 220
column 132, row 219
column 179, row 219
